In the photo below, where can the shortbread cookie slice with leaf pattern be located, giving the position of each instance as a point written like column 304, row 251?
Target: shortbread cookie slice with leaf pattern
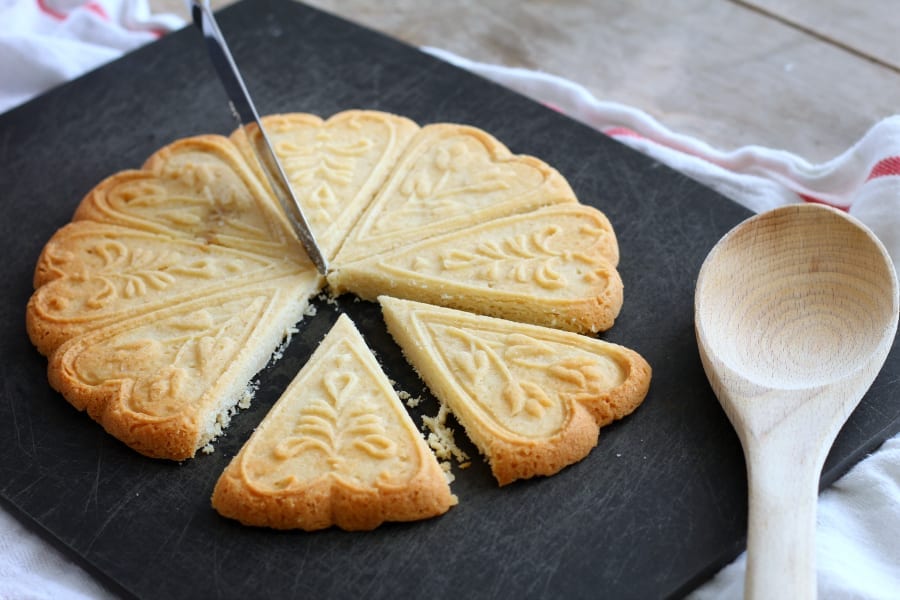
column 335, row 167
column 92, row 274
column 167, row 382
column 532, row 399
column 555, row 267
column 198, row 188
column 451, row 177
column 338, row 448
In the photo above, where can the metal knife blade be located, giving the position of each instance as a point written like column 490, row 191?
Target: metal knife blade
column 245, row 113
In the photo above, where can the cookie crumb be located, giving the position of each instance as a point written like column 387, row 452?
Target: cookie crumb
column 440, row 437
column 445, row 467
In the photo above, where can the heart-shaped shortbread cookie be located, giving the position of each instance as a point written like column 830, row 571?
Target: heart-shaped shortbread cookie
column 532, row 399
column 91, row 274
column 451, row 177
column 198, row 188
column 166, row 382
column 334, row 166
column 555, row 266
column 338, row 448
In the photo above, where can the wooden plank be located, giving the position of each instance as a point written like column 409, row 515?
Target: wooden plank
column 716, row 70
column 867, row 28
column 707, row 68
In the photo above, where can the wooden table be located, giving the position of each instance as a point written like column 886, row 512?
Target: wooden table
column 806, row 76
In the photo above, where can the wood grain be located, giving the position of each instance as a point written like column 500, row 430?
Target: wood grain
column 867, row 29
column 721, row 71
column 796, row 311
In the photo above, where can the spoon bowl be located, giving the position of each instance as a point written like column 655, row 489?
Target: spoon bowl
column 795, row 311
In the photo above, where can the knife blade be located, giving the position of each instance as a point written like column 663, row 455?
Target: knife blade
column 245, row 113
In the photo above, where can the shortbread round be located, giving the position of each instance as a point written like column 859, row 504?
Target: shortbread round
column 175, row 283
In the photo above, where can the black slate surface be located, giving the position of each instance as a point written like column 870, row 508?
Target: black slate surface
column 655, row 509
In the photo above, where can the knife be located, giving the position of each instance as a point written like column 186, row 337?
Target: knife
column 245, row 112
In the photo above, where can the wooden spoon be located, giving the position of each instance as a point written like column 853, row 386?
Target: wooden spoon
column 795, row 312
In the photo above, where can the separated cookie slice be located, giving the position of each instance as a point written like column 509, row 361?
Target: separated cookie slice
column 335, row 167
column 338, row 448
column 532, row 399
column 451, row 177
column 554, row 267
column 166, row 382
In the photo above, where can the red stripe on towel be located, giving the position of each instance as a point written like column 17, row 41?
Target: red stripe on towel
column 97, row 9
column 94, row 7
column 621, row 132
column 47, row 9
column 814, row 200
column 885, row 167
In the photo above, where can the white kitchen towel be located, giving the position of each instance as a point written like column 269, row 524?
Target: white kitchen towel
column 46, row 42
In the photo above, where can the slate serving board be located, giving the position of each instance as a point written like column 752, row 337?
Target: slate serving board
column 658, row 506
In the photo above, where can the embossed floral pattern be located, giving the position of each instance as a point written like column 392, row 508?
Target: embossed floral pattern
column 171, row 362
column 453, row 176
column 561, row 251
column 322, row 169
column 336, row 166
column 92, row 276
column 536, row 378
column 336, row 422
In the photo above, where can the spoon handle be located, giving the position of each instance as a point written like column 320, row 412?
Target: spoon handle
column 784, row 485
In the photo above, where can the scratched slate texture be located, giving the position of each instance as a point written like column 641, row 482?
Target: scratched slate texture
column 655, row 509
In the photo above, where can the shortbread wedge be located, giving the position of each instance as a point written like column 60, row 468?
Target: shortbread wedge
column 198, row 188
column 555, row 266
column 335, row 167
column 92, row 274
column 167, row 382
column 532, row 399
column 338, row 448
column 451, row 177
column 171, row 288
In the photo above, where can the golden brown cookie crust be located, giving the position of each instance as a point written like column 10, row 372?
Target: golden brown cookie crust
column 554, row 266
column 532, row 399
column 338, row 448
